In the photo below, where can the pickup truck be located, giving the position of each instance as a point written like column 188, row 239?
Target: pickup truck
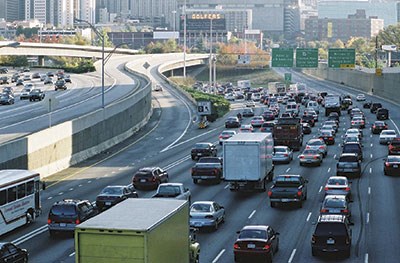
column 288, row 189
column 172, row 190
column 207, row 168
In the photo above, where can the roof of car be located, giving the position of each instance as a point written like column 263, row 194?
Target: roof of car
column 256, row 227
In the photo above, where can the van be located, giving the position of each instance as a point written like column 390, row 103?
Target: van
column 313, row 105
column 382, row 114
column 293, row 108
column 348, row 165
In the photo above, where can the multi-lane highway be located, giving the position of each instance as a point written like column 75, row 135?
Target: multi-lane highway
column 166, row 142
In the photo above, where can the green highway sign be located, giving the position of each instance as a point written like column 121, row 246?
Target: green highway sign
column 341, row 58
column 282, row 57
column 306, row 57
column 288, row 77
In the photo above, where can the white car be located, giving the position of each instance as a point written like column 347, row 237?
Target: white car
column 360, row 97
column 158, row 87
column 225, row 135
column 25, row 93
column 250, row 103
column 353, row 132
column 338, row 185
column 387, row 136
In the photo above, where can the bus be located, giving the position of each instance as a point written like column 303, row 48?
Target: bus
column 19, row 198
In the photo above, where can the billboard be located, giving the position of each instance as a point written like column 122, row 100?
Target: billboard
column 201, row 21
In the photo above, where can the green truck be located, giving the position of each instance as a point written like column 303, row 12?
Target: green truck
column 138, row 230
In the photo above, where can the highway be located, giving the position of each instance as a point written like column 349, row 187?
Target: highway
column 166, row 142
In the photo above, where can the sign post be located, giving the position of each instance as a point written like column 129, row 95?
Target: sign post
column 282, row 57
column 243, row 59
column 288, row 79
column 50, row 102
column 204, row 107
column 306, row 57
column 341, row 58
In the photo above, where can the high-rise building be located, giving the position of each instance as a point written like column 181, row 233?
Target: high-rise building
column 119, row 8
column 87, row 10
column 36, row 9
column 12, row 10
column 155, row 12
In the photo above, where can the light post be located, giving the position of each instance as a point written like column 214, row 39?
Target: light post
column 174, row 24
column 184, row 39
column 210, row 59
column 101, row 36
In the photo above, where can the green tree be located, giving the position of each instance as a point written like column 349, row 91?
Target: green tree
column 389, row 36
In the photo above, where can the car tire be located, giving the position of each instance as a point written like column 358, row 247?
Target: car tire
column 314, row 252
column 347, row 253
column 273, row 204
column 51, row 233
column 215, row 228
column 195, row 181
column 300, row 204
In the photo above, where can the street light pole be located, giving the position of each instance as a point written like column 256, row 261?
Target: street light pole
column 184, row 39
column 210, row 59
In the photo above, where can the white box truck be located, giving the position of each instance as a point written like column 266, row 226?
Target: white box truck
column 248, row 161
column 137, row 230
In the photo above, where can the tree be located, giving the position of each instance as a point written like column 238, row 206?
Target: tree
column 390, row 36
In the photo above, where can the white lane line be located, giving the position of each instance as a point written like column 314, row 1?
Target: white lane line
column 71, row 189
column 320, row 189
column 329, row 169
column 371, row 155
column 120, row 169
column 105, row 175
column 113, row 172
column 72, row 254
column 308, row 217
column 367, row 218
column 252, row 214
column 218, row 256
column 30, row 235
column 226, row 186
column 370, row 136
column 370, row 170
column 366, row 258
column 49, row 198
column 97, row 178
column 60, row 193
column 372, row 144
column 288, row 169
column 339, row 145
column 292, row 256
column 369, row 190
column 80, row 185
column 334, row 157
column 397, row 128
column 89, row 182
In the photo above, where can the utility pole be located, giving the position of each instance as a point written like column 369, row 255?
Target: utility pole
column 184, row 39
column 210, row 59
column 376, row 52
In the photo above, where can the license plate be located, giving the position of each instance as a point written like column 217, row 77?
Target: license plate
column 108, row 203
column 197, row 224
column 142, row 180
column 285, row 200
column 330, row 241
column 199, row 154
column 204, row 177
column 63, row 224
column 251, row 245
column 395, row 166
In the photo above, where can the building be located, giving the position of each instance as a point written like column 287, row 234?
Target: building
column 114, row 8
column 12, row 10
column 332, row 29
column 156, row 13
column 36, row 9
column 139, row 40
column 388, row 11
column 86, row 10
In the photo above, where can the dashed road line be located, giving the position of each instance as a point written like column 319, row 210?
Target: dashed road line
column 367, row 217
column 369, row 190
column 218, row 256
column 366, row 258
column 60, row 193
column 89, row 182
column 292, row 256
column 371, row 155
column 72, row 254
column 252, row 214
column 288, row 169
column 329, row 169
column 71, row 189
column 372, row 144
column 370, row 170
column 80, row 185
column 320, row 189
column 308, row 217
column 226, row 186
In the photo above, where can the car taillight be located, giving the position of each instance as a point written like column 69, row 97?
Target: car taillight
column 77, row 221
column 267, row 247
column 301, row 156
column 236, row 246
column 269, row 193
column 307, row 147
column 373, row 126
column 391, row 147
column 209, row 217
column 387, row 164
column 315, row 157
column 347, row 189
column 322, row 147
column 345, row 211
column 286, row 155
column 326, row 188
column 216, row 171
column 49, row 221
column 299, row 193
column 220, row 137
column 330, row 138
column 323, row 211
column 192, row 170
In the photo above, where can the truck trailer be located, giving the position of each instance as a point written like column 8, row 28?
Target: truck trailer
column 248, row 161
column 136, row 231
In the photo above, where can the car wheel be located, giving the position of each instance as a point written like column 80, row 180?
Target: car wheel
column 273, row 204
column 300, row 204
column 300, row 164
column 195, row 181
column 314, row 252
column 218, row 180
column 347, row 253
column 51, row 233
column 216, row 226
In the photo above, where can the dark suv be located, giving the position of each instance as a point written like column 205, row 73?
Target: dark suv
column 353, row 147
column 60, row 84
column 348, row 164
column 394, row 147
column 11, row 253
column 382, row 114
column 332, row 234
column 149, row 177
column 375, row 106
column 66, row 214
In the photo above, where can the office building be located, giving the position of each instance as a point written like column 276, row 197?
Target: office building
column 12, row 10
column 156, row 13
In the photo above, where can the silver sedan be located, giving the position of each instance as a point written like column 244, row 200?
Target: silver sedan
column 310, row 156
column 206, row 214
column 282, row 154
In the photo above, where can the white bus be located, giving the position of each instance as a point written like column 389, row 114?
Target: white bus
column 19, row 198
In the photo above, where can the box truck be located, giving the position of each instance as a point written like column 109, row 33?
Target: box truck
column 248, row 161
column 136, row 231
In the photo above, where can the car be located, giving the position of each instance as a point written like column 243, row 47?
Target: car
column 248, row 113
column 375, row 106
column 335, row 124
column 229, row 96
column 312, row 113
column 282, row 154
column 9, row 252
column 202, row 149
column 353, row 147
column 338, row 185
column 6, row 99
column 66, row 214
column 313, row 105
column 60, row 84
column 158, row 87
column 353, row 132
column 8, row 90
column 355, row 111
column 25, row 93
column 317, row 144
column 149, row 178
column 250, row 103
column 357, row 122
column 3, row 70
column 268, row 126
column 308, row 119
column 36, row 94
column 256, row 243
column 50, row 74
column 394, row 147
column 337, row 205
column 27, row 77
column 327, row 136
column 43, row 77
column 114, row 194
column 19, row 82
column 268, row 115
column 378, row 126
column 208, row 214
column 332, row 234
column 348, row 165
column 246, row 128
column 4, row 80
column 48, row 80
column 306, row 128
column 225, row 135
column 334, row 116
column 36, row 75
column 232, row 122
column 15, row 77
column 360, row 97
column 25, row 69
column 257, row 121
column 310, row 157
column 351, row 139
column 328, row 127
column 391, row 165
column 67, row 79
column 387, row 136
column 382, row 114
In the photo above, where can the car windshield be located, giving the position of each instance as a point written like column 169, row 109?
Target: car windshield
column 287, row 181
column 388, row 133
column 279, row 150
column 326, row 229
column 201, row 208
column 334, row 203
column 310, row 152
column 345, row 159
column 67, row 210
column 253, row 233
column 112, row 190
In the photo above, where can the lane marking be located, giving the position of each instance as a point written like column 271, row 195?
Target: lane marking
column 366, row 258
column 320, row 189
column 30, row 235
column 329, row 169
column 334, row 157
column 49, row 198
column 308, row 217
column 369, row 190
column 80, row 185
column 72, row 254
column 292, row 256
column 218, row 256
column 288, row 169
column 370, row 170
column 372, row 144
column 71, row 189
column 226, row 186
column 60, row 193
column 252, row 214
column 367, row 217
column 89, row 182
column 371, row 155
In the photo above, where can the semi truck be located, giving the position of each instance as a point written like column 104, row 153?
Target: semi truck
column 137, row 230
column 247, row 162
column 332, row 103
column 288, row 132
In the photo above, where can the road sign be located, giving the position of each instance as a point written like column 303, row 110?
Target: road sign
column 378, row 71
column 306, row 57
column 282, row 57
column 341, row 58
column 244, row 59
column 146, row 65
column 288, row 77
column 204, row 107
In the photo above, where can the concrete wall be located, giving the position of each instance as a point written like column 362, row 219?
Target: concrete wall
column 385, row 86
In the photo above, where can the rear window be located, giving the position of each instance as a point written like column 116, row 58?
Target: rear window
column 287, row 181
column 348, row 159
column 334, row 203
column 326, row 229
column 67, row 210
column 258, row 234
column 354, row 148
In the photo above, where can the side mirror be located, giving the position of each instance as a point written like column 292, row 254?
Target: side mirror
column 186, row 189
column 237, row 232
column 43, row 186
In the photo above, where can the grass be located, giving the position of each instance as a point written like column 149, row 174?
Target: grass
column 258, row 77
